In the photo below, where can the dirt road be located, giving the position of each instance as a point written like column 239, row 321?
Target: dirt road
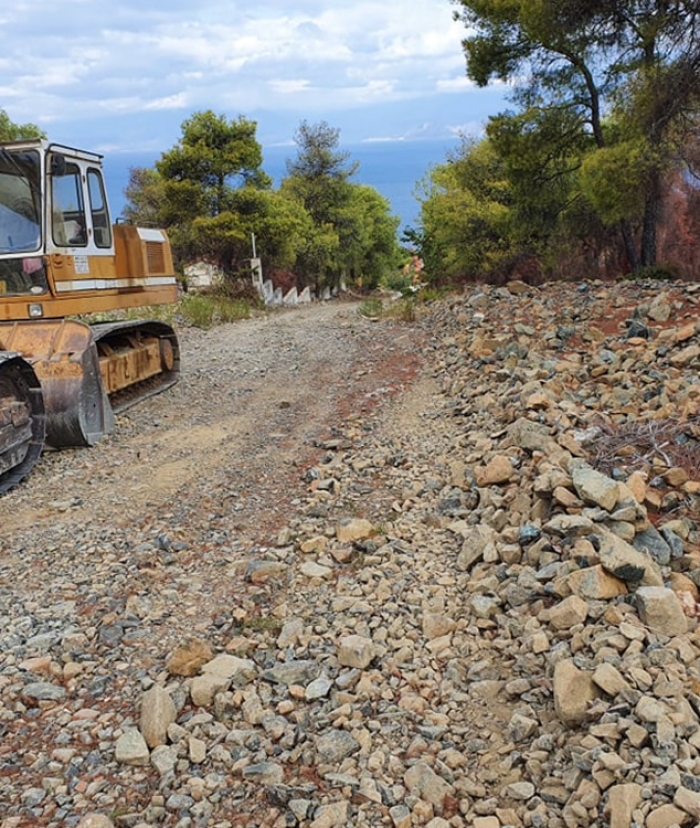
column 254, row 401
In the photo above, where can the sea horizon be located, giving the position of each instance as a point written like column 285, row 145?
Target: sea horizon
column 393, row 168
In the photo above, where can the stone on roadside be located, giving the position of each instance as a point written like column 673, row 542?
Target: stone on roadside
column 661, row 611
column 164, row 759
column 498, row 470
column 291, row 632
column 610, row 680
column 334, row 815
column 570, row 526
column 352, row 529
column 435, row 625
column 479, row 542
column 400, row 816
column 131, row 748
column 95, row 821
column 336, row 745
column 295, row 671
column 574, row 691
column 355, row 651
column 318, row 689
column 666, row 816
column 689, row 801
column 240, row 671
column 652, row 543
column 43, row 691
column 521, row 727
column 593, row 486
column 203, row 688
column 157, row 713
column 264, row 773
column 637, row 485
column 316, row 545
column 622, row 560
column 567, row 613
column 260, row 571
column 196, row 750
column 486, row 822
column 521, row 791
column 422, row 781
column 595, row 584
column 187, row 659
column 311, row 569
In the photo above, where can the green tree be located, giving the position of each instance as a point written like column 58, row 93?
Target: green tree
column 192, row 191
column 639, row 60
column 9, row 131
column 466, row 214
column 367, row 231
column 145, row 194
column 354, row 235
column 212, row 153
column 280, row 226
column 319, row 157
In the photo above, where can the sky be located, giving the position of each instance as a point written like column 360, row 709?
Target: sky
column 121, row 77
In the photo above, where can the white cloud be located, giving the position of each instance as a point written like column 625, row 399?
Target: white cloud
column 79, row 60
column 290, row 86
column 456, row 84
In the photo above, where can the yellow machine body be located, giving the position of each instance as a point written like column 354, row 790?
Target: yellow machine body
column 62, row 257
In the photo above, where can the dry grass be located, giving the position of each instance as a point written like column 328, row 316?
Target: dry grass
column 650, row 445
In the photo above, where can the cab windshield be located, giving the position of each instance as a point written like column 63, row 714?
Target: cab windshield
column 20, row 201
column 21, row 263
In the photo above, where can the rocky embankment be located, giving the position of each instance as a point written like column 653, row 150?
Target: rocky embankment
column 481, row 611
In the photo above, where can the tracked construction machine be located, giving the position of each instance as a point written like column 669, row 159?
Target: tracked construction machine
column 61, row 380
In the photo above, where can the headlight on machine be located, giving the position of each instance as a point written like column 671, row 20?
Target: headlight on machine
column 36, row 310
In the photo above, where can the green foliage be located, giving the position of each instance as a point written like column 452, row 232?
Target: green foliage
column 465, row 214
column 10, row 131
column 656, row 274
column 396, row 280
column 570, row 63
column 211, row 152
column 212, row 196
column 352, row 233
column 403, row 310
column 145, row 195
column 371, row 308
column 198, row 310
column 280, row 223
column 319, row 157
column 206, row 310
column 367, row 233
column 191, row 192
column 612, row 180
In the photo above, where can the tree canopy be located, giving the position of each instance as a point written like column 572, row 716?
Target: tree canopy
column 608, row 87
column 354, row 235
column 210, row 191
column 10, row 131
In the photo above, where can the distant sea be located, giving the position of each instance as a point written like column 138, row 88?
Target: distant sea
column 393, row 168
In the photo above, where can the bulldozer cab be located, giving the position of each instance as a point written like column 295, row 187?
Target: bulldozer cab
column 79, row 217
column 60, row 254
column 52, row 201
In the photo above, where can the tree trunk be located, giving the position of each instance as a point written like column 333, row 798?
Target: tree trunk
column 630, row 249
column 652, row 209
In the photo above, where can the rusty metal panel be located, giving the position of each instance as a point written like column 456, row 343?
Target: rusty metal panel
column 124, row 367
column 49, row 340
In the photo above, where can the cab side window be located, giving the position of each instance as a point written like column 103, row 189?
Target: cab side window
column 98, row 209
column 68, row 224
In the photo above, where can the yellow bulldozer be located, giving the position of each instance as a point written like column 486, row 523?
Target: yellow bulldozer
column 61, row 257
